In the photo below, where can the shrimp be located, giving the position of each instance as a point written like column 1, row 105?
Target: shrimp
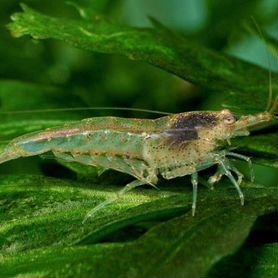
column 170, row 146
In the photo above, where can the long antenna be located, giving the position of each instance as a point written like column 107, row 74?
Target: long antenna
column 83, row 109
column 270, row 95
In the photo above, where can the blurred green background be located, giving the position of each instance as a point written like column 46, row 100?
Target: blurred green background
column 107, row 80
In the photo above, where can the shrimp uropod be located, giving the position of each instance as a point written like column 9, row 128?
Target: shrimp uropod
column 171, row 146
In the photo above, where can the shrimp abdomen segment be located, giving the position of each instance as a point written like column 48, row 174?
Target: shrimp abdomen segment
column 116, row 147
column 94, row 134
column 8, row 154
column 133, row 166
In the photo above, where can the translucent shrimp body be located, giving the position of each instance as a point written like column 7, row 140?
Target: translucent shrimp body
column 171, row 146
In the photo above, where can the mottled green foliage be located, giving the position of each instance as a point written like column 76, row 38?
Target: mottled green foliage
column 148, row 233
column 48, row 220
column 265, row 257
column 159, row 47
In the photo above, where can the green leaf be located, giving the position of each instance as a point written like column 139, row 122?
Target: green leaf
column 223, row 23
column 160, row 47
column 270, row 162
column 265, row 144
column 261, row 148
column 19, row 113
column 41, row 216
column 31, row 96
column 88, row 9
column 249, row 262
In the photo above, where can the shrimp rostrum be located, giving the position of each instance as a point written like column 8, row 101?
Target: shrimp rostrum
column 171, row 146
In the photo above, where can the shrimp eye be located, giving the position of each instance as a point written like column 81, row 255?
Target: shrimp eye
column 229, row 119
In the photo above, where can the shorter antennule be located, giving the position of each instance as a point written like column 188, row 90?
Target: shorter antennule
column 274, row 108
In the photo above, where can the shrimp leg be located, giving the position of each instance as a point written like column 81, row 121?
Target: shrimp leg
column 127, row 188
column 247, row 159
column 216, row 177
column 219, row 173
column 228, row 173
column 239, row 174
column 194, row 181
